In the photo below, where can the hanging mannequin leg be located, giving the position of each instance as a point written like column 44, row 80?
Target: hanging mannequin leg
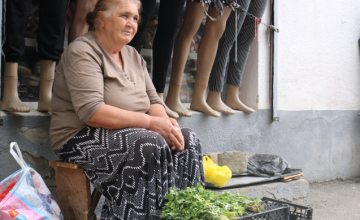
column 236, row 69
column 169, row 21
column 78, row 25
column 215, row 102
column 194, row 16
column 47, row 72
column 11, row 101
column 218, row 71
column 17, row 16
column 148, row 7
column 206, row 55
column 169, row 112
column 232, row 100
column 51, row 32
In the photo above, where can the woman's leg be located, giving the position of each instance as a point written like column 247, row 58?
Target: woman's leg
column 78, row 25
column 17, row 15
column 193, row 17
column 236, row 69
column 188, row 164
column 133, row 168
column 226, row 42
column 148, row 7
column 169, row 21
column 206, row 55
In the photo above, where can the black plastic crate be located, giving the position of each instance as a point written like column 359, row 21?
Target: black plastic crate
column 272, row 211
column 297, row 212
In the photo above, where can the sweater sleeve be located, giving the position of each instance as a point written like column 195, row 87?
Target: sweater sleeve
column 85, row 81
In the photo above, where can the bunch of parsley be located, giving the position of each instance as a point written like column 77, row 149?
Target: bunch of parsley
column 197, row 203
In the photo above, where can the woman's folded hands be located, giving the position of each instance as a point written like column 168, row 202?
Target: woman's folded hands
column 169, row 129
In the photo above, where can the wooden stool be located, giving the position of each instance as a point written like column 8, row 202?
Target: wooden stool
column 73, row 192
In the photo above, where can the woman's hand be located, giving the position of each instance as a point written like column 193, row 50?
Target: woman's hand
column 174, row 122
column 169, row 129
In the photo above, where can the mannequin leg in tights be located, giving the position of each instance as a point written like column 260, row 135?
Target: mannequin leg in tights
column 236, row 69
column 169, row 20
column 206, row 55
column 17, row 12
column 169, row 14
column 78, row 25
column 11, row 101
column 47, row 72
column 148, row 7
column 193, row 17
column 226, row 42
column 51, row 32
column 52, row 19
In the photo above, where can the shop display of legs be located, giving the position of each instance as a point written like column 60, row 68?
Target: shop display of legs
column 50, row 43
column 206, row 55
column 227, row 52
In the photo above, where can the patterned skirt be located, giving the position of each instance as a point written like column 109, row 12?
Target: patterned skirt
column 134, row 168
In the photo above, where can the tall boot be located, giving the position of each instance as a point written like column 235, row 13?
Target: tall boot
column 47, row 72
column 11, row 101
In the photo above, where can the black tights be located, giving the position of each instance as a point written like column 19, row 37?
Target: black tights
column 169, row 21
column 50, row 38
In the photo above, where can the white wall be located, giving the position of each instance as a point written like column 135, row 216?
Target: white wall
column 264, row 59
column 319, row 61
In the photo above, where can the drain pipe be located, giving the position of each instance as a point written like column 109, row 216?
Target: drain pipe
column 275, row 64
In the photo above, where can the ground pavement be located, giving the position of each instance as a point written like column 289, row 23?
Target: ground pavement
column 335, row 200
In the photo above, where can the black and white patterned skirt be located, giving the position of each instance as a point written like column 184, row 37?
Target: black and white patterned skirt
column 134, row 168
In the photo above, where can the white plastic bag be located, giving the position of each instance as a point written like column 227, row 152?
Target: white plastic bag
column 24, row 195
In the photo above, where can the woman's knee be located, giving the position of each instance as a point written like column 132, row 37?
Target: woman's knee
column 152, row 143
column 191, row 139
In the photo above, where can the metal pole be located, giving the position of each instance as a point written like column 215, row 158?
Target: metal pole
column 275, row 64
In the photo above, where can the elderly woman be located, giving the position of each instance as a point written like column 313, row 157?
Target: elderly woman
column 108, row 118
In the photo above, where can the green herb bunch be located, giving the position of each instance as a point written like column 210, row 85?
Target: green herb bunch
column 197, row 203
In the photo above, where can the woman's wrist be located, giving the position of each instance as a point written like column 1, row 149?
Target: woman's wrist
column 147, row 121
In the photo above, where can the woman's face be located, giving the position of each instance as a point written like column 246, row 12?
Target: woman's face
column 121, row 26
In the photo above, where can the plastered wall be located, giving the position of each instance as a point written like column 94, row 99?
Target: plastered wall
column 318, row 59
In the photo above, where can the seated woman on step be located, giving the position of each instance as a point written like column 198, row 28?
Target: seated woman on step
column 109, row 119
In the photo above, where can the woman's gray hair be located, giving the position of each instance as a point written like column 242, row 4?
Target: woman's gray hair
column 106, row 7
